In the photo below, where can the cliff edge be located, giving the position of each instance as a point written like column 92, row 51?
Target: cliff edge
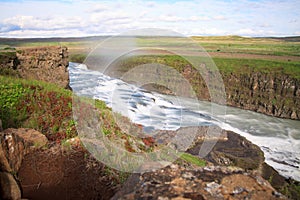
column 47, row 64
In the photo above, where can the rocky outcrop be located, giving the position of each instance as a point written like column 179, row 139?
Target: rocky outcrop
column 8, row 59
column 234, row 170
column 40, row 63
column 15, row 144
column 274, row 94
column 44, row 63
column 176, row 182
column 235, row 151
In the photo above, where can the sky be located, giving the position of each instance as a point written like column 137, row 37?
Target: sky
column 76, row 18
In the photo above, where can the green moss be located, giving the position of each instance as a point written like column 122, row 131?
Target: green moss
column 193, row 159
column 10, row 54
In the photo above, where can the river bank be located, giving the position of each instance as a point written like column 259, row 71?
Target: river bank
column 47, row 108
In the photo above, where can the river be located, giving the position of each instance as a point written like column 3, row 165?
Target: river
column 278, row 138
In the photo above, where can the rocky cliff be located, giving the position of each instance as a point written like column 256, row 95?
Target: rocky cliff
column 268, row 90
column 41, row 63
column 272, row 93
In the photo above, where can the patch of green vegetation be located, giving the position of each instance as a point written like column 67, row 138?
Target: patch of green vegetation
column 225, row 65
column 193, row 159
column 9, row 48
column 34, row 104
column 8, row 72
column 10, row 95
column 246, row 66
column 10, row 54
column 78, row 58
column 228, row 44
column 292, row 190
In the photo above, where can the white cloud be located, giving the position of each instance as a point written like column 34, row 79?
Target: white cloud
column 255, row 32
column 108, row 16
column 219, row 17
column 199, row 18
column 36, row 23
column 98, row 8
column 193, row 17
column 45, row 33
column 171, row 18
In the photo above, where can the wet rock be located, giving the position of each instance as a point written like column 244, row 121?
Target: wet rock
column 9, row 187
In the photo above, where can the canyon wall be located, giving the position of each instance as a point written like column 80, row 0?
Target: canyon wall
column 271, row 93
column 274, row 94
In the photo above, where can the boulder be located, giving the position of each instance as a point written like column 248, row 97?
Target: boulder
column 31, row 137
column 9, row 189
column 15, row 144
column 235, row 151
column 13, row 150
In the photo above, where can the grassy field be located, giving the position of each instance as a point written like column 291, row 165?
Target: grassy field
column 221, row 44
column 230, row 53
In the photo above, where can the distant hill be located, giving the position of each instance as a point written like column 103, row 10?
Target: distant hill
column 286, row 39
column 10, row 41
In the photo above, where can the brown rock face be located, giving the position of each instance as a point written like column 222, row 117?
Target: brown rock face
column 44, row 63
column 8, row 60
column 15, row 143
column 273, row 94
column 13, row 148
column 9, row 188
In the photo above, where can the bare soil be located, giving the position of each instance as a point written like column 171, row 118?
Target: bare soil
column 221, row 55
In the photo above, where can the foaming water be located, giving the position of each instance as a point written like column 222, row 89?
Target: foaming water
column 278, row 138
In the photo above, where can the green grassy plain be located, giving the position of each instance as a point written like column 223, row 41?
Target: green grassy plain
column 221, row 44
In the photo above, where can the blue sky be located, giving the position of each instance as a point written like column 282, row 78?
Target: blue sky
column 195, row 17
